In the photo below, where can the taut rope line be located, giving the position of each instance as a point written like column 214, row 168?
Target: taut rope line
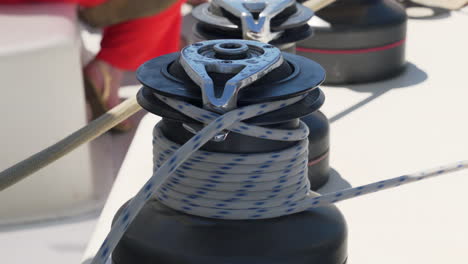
column 87, row 133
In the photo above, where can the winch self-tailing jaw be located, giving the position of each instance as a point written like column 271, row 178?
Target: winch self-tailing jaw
column 256, row 28
column 248, row 61
column 268, row 21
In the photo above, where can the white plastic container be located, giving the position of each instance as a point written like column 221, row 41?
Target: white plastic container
column 42, row 101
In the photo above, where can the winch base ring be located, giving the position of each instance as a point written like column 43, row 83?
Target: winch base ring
column 162, row 235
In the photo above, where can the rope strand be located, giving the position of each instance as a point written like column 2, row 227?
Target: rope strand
column 97, row 127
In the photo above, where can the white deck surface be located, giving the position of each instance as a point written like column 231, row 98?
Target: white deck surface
column 379, row 130
column 382, row 130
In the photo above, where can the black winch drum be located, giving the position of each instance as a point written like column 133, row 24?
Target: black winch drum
column 160, row 234
column 358, row 41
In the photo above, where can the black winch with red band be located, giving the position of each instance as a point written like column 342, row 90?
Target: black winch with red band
column 358, row 41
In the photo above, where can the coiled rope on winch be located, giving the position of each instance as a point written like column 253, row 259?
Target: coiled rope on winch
column 235, row 186
column 229, row 186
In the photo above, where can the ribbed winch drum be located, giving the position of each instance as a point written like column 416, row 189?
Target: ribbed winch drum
column 280, row 23
column 358, row 41
column 220, row 76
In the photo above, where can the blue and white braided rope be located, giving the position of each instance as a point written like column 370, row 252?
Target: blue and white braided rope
column 237, row 186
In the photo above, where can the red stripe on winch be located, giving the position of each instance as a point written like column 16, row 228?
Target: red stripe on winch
column 353, row 51
column 315, row 161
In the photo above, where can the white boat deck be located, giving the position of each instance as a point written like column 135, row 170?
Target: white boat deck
column 379, row 130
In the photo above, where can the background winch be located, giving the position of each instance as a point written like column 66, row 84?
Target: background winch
column 355, row 41
column 358, row 41
column 280, row 23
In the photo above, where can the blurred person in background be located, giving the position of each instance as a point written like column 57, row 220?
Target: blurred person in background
column 134, row 31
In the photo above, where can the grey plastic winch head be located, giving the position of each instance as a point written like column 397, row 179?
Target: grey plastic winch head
column 267, row 21
column 256, row 29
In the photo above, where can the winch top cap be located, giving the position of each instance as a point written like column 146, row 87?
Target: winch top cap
column 248, row 60
column 257, row 72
